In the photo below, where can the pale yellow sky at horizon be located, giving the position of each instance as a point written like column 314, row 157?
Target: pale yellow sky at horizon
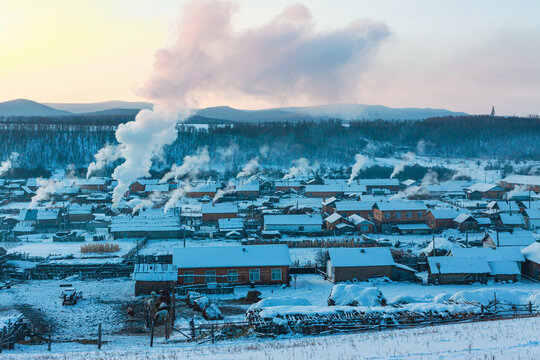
column 461, row 55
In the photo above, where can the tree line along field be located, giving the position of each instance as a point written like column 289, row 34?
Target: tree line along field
column 51, row 143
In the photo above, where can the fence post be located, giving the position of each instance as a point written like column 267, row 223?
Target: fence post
column 212, row 329
column 495, row 301
column 99, row 337
column 2, row 333
column 530, row 307
column 192, row 327
column 152, row 333
column 49, row 341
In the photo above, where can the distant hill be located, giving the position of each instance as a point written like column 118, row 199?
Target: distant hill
column 112, row 112
column 100, row 106
column 323, row 112
column 23, row 107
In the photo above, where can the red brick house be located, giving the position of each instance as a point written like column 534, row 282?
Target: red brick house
column 527, row 182
column 362, row 225
column 360, row 208
column 201, row 191
column 388, row 184
column 441, row 218
column 286, row 185
column 390, row 213
column 485, row 191
column 213, row 212
column 258, row 264
column 92, row 184
column 531, row 267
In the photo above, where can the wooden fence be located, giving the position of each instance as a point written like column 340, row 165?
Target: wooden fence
column 13, row 332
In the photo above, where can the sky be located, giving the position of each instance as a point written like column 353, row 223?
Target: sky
column 459, row 55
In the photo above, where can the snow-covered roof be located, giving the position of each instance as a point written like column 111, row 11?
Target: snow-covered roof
column 250, row 186
column 357, row 220
column 409, row 182
column 401, row 205
column 165, row 222
column 532, row 252
column 287, row 183
column 79, row 209
column 231, row 256
column 464, row 217
column 231, row 224
column 329, row 201
column 220, row 208
column 517, row 238
column 483, row 221
column 333, row 218
column 458, row 265
column 155, row 272
column 514, row 219
column 314, row 219
column 91, row 181
column 522, row 179
column 373, row 256
column 483, row 187
column 532, row 213
column 378, row 182
column 354, row 205
column 504, row 268
column 490, row 254
column 418, row 226
column 156, row 188
column 38, row 214
column 444, row 213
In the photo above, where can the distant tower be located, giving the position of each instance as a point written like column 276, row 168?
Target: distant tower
column 493, row 111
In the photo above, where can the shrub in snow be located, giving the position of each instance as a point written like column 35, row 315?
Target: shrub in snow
column 201, row 303
column 503, row 296
column 356, row 295
column 252, row 296
column 212, row 312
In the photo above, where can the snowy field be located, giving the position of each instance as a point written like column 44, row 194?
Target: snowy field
column 503, row 339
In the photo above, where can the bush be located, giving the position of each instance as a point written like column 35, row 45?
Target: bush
column 100, row 248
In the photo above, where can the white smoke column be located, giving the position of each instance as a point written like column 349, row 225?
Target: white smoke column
column 535, row 170
column 141, row 141
column 421, row 147
column 517, row 189
column 430, row 178
column 407, row 159
column 106, row 155
column 249, row 169
column 264, row 150
column 47, row 187
column 360, row 162
column 6, row 165
column 190, row 167
column 176, row 195
column 462, row 174
column 229, row 189
column 226, row 154
column 300, row 167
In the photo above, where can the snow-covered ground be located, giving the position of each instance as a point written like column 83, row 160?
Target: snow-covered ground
column 503, row 339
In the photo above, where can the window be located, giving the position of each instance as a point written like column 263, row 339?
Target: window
column 254, row 275
column 420, row 214
column 232, row 275
column 364, row 228
column 398, row 215
column 210, row 276
column 387, row 215
column 188, row 277
column 301, row 228
column 409, row 214
column 276, row 274
column 370, row 215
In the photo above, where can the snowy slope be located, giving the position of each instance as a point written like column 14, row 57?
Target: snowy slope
column 23, row 107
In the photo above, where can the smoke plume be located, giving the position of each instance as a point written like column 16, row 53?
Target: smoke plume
column 420, row 191
column 106, row 155
column 249, row 169
column 190, row 167
column 300, row 168
column 360, row 162
column 6, row 165
column 229, row 189
column 406, row 159
column 47, row 187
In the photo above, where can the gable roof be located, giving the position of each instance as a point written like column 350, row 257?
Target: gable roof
column 333, row 218
column 351, row 257
column 354, row 205
column 444, row 213
column 301, row 219
column 400, row 205
column 220, row 208
column 464, row 217
column 522, row 179
column 458, row 265
column 231, row 256
column 532, row 252
column 517, row 238
column 490, row 254
column 483, row 187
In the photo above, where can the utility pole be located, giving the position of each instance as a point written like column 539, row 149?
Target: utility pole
column 497, row 228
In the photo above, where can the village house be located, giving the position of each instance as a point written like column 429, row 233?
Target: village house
column 203, row 190
column 390, row 213
column 324, row 191
column 348, row 208
column 154, row 277
column 45, row 219
column 140, row 185
column 92, row 184
column 505, row 263
column 156, row 189
column 519, row 239
column 151, row 225
column 360, row 264
column 333, row 220
column 532, row 218
column 509, row 221
column 480, row 191
column 444, row 270
column 531, row 267
column 465, row 222
column 248, row 190
column 293, row 223
column 363, row 226
column 413, row 229
column 211, row 212
column 526, row 182
column 231, row 224
column 78, row 213
column 286, row 185
column 392, row 185
column 237, row 265
column 441, row 219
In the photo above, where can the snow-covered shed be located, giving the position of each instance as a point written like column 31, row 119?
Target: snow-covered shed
column 154, row 277
column 348, row 264
column 457, row 270
column 519, row 239
column 293, row 223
